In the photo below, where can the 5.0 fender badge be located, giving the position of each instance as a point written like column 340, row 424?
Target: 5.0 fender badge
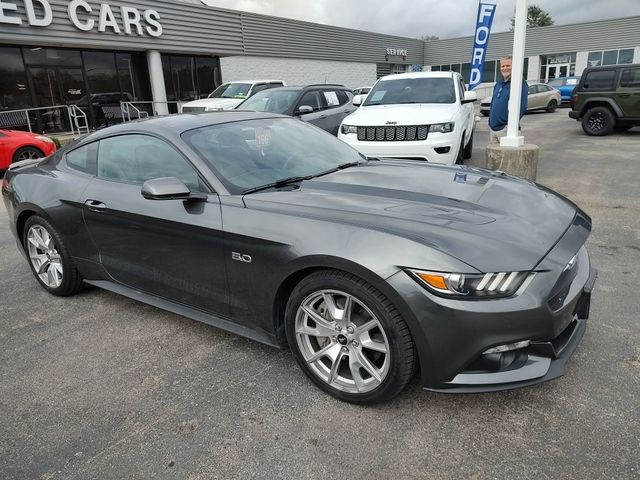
column 239, row 257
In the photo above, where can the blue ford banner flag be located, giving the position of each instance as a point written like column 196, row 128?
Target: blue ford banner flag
column 483, row 28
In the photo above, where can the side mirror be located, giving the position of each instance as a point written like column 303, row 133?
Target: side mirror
column 304, row 109
column 169, row 188
column 469, row 97
column 358, row 100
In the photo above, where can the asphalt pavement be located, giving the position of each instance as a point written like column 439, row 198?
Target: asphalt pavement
column 98, row 386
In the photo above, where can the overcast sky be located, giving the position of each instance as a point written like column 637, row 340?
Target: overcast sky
column 444, row 18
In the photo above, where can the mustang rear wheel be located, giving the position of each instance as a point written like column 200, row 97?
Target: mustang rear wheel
column 49, row 260
column 348, row 338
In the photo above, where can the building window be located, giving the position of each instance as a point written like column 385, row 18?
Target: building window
column 189, row 78
column 610, row 57
column 14, row 90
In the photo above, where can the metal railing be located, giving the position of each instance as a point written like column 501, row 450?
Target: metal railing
column 52, row 117
column 78, row 120
column 145, row 109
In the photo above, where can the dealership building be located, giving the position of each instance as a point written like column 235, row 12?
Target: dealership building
column 95, row 54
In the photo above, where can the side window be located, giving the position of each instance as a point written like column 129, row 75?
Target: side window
column 258, row 87
column 331, row 98
column 533, row 89
column 599, row 80
column 312, row 99
column 138, row 158
column 343, row 97
column 630, row 78
column 84, row 159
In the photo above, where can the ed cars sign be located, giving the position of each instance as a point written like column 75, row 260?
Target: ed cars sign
column 85, row 18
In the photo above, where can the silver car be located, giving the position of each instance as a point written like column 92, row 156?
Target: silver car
column 324, row 105
column 541, row 97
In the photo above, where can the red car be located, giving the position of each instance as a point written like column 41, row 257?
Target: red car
column 16, row 145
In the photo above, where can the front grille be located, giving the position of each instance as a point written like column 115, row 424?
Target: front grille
column 404, row 133
column 193, row 109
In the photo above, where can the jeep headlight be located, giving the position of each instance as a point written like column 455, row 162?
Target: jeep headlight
column 347, row 129
column 472, row 286
column 441, row 127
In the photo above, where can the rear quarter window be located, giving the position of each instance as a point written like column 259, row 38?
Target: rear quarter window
column 84, row 159
column 599, row 80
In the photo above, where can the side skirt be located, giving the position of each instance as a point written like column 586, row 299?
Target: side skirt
column 192, row 313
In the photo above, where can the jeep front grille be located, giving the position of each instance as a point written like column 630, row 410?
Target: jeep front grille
column 405, row 133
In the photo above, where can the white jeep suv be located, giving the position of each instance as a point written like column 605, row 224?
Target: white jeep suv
column 229, row 95
column 421, row 116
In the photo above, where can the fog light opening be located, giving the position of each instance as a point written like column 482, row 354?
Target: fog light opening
column 508, row 347
column 442, row 149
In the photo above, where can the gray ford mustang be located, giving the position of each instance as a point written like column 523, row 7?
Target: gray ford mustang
column 270, row 228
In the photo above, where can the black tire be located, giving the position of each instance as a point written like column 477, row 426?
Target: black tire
column 71, row 281
column 468, row 150
column 26, row 153
column 400, row 355
column 460, row 155
column 598, row 121
column 552, row 106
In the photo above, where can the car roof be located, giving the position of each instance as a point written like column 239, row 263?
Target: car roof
column 254, row 81
column 396, row 76
column 179, row 123
column 608, row 67
column 298, row 88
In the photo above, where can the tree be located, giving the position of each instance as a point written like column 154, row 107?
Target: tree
column 536, row 17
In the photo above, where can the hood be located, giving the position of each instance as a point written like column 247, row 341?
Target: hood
column 411, row 114
column 19, row 133
column 488, row 220
column 213, row 103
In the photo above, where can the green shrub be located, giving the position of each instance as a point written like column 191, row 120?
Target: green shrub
column 56, row 141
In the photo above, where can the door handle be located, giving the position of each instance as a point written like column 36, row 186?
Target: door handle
column 95, row 205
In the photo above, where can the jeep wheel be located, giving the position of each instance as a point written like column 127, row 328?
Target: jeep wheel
column 551, row 107
column 598, row 121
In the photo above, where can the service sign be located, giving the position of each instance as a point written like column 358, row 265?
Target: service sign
column 85, row 17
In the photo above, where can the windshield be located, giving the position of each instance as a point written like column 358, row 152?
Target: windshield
column 558, row 82
column 231, row 90
column 274, row 101
column 412, row 90
column 252, row 153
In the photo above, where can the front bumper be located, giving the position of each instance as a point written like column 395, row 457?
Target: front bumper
column 540, row 362
column 438, row 148
column 452, row 336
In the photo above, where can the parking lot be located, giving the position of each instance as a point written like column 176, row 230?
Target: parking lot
column 100, row 386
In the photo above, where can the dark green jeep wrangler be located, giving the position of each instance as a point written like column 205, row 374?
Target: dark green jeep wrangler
column 607, row 99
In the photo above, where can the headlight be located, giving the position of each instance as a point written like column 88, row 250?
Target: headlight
column 482, row 285
column 44, row 139
column 346, row 129
column 441, row 127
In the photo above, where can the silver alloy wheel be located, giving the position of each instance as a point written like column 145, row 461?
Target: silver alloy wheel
column 44, row 256
column 28, row 154
column 343, row 342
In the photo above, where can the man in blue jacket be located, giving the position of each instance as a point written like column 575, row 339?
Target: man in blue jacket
column 499, row 113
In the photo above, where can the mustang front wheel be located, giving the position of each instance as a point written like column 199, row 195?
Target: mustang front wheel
column 48, row 258
column 348, row 338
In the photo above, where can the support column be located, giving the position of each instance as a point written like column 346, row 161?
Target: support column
column 156, row 76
